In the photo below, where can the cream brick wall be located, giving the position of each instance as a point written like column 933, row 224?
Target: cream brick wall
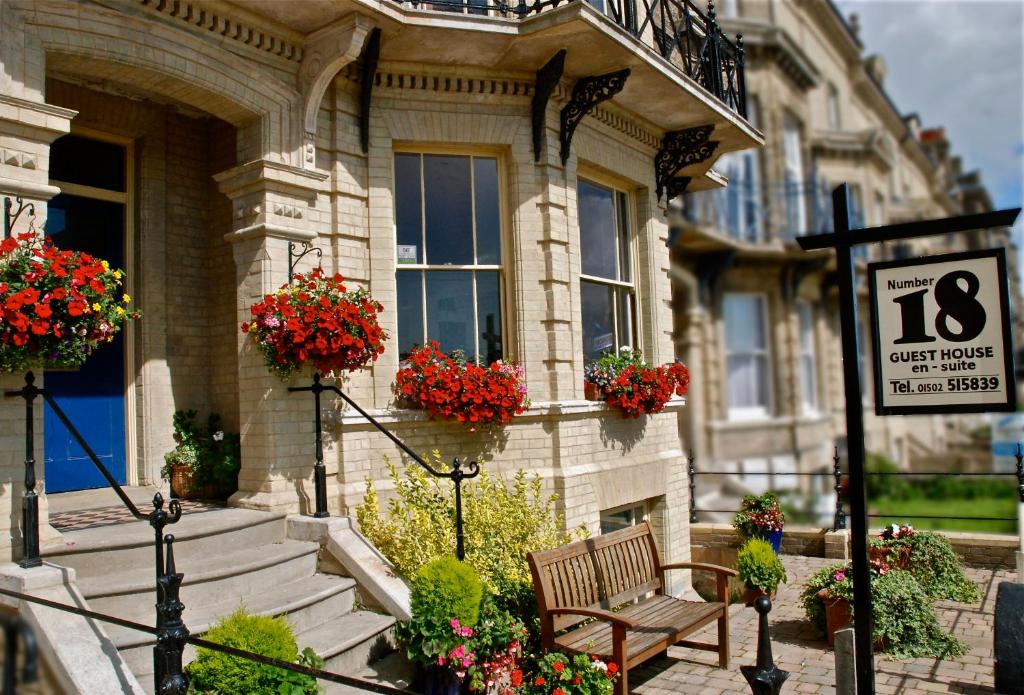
column 222, row 184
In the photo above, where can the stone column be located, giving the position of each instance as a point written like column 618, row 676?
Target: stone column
column 26, row 130
column 274, row 204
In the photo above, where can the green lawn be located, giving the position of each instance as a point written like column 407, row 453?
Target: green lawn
column 903, row 511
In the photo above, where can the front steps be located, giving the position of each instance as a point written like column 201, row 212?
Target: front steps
column 230, row 557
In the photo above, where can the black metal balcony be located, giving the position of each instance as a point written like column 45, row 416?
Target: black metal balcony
column 750, row 212
column 676, row 29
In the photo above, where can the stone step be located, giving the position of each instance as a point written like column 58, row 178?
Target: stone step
column 394, row 670
column 353, row 642
column 95, row 551
column 210, row 580
column 306, row 604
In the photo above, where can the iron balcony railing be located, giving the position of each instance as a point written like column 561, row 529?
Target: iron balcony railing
column 680, row 32
column 753, row 213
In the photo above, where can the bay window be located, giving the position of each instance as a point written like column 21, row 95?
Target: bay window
column 746, row 350
column 448, row 254
column 608, row 297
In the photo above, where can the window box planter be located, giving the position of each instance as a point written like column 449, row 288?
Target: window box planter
column 592, row 392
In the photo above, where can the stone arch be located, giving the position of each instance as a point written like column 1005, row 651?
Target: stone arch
column 168, row 64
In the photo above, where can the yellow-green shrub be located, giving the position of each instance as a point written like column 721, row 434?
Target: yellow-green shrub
column 502, row 522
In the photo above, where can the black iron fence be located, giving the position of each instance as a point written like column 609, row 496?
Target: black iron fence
column 680, row 33
column 839, row 479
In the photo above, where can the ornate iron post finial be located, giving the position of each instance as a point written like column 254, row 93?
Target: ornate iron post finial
column 765, row 678
column 173, row 633
column 839, row 522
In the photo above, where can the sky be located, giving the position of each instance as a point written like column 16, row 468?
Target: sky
column 958, row 64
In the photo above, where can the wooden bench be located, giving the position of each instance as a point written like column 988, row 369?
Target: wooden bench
column 587, row 579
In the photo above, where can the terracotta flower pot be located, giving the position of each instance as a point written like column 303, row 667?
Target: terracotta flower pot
column 592, row 392
column 750, row 595
column 897, row 558
column 838, row 614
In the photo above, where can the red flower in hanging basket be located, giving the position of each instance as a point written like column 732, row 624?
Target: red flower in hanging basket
column 450, row 388
column 316, row 320
column 56, row 307
column 629, row 383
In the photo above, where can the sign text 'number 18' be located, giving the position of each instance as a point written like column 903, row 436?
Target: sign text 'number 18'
column 941, row 334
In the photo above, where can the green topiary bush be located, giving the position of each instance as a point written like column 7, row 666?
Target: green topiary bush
column 759, row 566
column 214, row 672
column 445, row 589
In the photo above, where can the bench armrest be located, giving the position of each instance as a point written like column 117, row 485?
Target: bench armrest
column 607, row 616
column 718, row 569
column 722, row 575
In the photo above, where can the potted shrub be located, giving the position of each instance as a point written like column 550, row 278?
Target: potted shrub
column 316, row 320
column 449, row 387
column 904, row 623
column 760, row 570
column 937, row 568
column 216, row 672
column 893, row 545
column 579, row 674
column 58, row 306
column 626, row 381
column 445, row 600
column 760, row 516
column 206, row 460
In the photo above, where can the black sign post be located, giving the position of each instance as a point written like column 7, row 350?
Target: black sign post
column 843, row 239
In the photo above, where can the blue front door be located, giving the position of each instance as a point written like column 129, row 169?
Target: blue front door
column 93, row 398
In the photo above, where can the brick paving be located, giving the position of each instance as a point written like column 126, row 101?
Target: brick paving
column 812, row 665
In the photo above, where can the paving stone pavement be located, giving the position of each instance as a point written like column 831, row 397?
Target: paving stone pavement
column 812, row 665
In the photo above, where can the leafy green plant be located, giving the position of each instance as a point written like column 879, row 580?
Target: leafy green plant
column 759, row 515
column 215, row 672
column 938, row 569
column 212, row 454
column 759, row 566
column 503, row 522
column 579, row 674
column 902, row 615
column 880, row 480
column 445, row 589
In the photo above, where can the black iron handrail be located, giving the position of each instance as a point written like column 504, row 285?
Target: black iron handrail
column 677, row 29
column 456, row 474
column 174, row 635
column 159, row 518
column 839, row 519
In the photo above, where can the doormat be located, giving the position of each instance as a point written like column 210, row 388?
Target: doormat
column 109, row 516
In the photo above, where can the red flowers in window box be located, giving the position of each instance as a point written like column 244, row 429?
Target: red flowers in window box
column 450, row 388
column 56, row 307
column 317, row 320
column 627, row 382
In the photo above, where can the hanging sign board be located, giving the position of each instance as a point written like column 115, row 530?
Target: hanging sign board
column 941, row 327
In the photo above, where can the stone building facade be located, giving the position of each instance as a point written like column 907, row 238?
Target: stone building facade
column 756, row 316
column 236, row 129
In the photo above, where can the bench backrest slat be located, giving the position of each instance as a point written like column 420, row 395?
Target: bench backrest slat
column 603, row 572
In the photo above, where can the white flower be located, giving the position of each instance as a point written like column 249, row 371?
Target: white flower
column 218, row 436
column 599, row 665
column 625, row 348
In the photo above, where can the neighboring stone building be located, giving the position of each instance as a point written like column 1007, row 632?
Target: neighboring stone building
column 205, row 138
column 756, row 317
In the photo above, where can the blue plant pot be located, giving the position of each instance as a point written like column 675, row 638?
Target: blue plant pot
column 774, row 539
column 441, row 681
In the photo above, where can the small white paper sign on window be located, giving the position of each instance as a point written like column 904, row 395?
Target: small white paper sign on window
column 407, row 254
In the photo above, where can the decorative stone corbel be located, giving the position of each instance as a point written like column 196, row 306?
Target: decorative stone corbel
column 547, row 79
column 587, row 93
column 326, row 51
column 680, row 149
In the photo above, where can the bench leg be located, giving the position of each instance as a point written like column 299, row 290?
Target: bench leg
column 620, row 657
column 723, row 638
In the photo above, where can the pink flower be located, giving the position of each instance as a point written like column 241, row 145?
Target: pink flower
column 440, row 661
column 840, row 576
column 455, row 623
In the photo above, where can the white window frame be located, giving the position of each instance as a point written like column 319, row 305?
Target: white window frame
column 757, row 412
column 473, row 268
column 631, row 244
column 809, row 394
column 643, row 506
column 794, row 180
